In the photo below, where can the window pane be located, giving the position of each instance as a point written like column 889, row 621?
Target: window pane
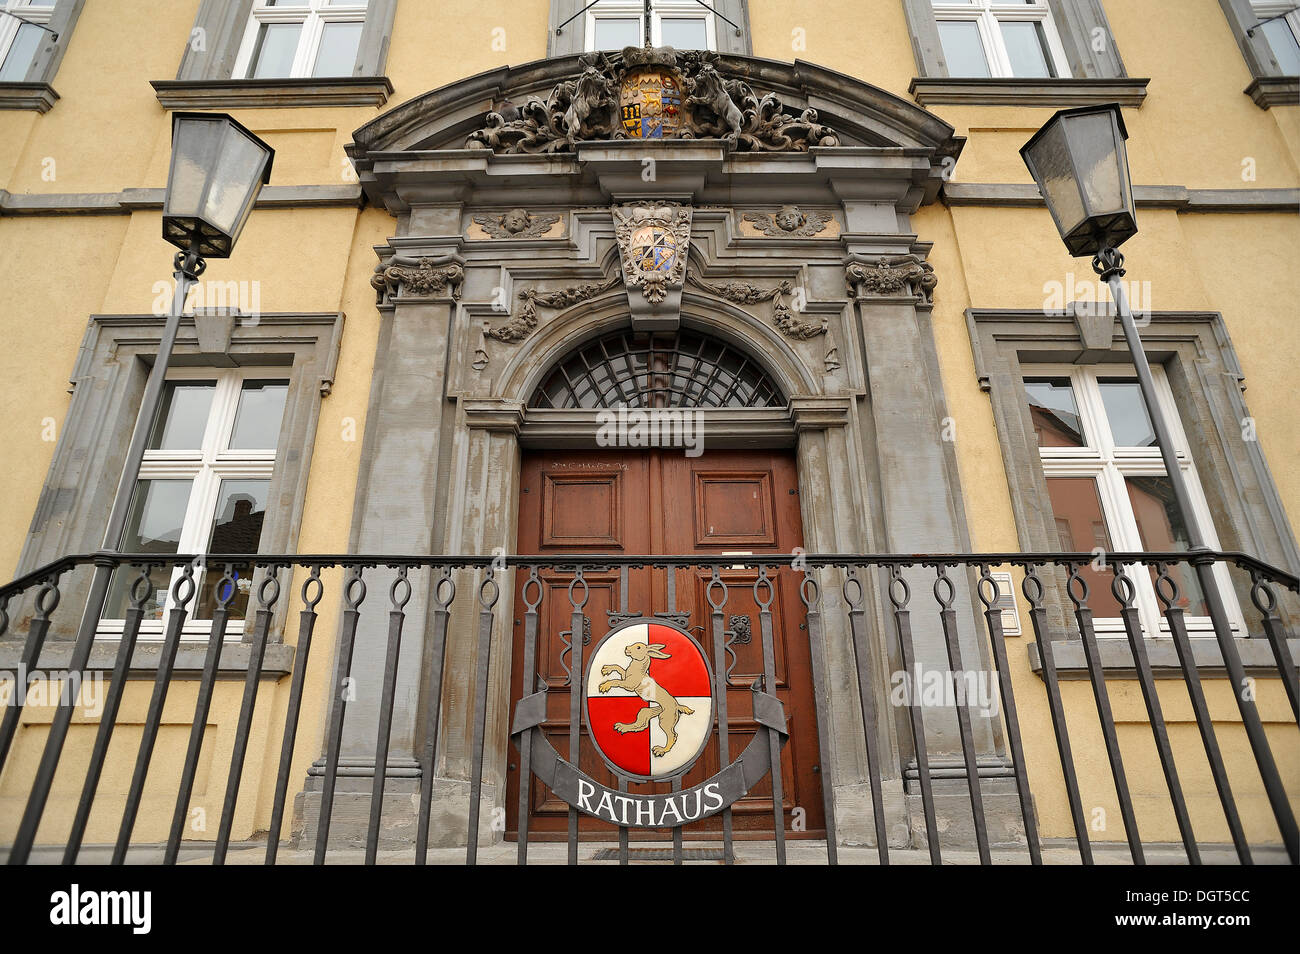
column 154, row 526
column 338, row 49
column 1284, row 46
column 21, row 53
column 1054, row 412
column 1162, row 529
column 1127, row 413
column 286, row 3
column 236, row 528
column 1082, row 529
column 257, row 419
column 962, row 48
column 1027, row 48
column 276, row 45
column 183, row 416
column 614, row 33
column 684, row 33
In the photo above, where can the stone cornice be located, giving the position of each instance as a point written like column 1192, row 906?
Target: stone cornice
column 1180, row 198
column 243, row 94
column 129, row 200
column 1269, row 91
column 39, row 97
column 1054, row 93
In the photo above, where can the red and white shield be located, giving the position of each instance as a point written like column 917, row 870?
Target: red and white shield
column 649, row 700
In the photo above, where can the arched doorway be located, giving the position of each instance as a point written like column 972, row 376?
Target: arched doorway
column 666, row 490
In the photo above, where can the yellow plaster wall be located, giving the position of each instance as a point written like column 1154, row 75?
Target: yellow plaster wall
column 108, row 132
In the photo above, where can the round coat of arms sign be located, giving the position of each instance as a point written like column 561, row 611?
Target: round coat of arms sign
column 649, row 700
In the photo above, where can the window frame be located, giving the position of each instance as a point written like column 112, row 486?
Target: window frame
column 11, row 27
column 1264, row 9
column 1109, row 465
column 628, row 9
column 988, row 15
column 206, row 467
column 313, row 16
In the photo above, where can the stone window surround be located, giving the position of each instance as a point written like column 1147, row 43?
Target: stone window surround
column 1196, row 352
column 571, row 40
column 1270, row 87
column 35, row 91
column 204, row 79
column 1095, row 75
column 107, row 384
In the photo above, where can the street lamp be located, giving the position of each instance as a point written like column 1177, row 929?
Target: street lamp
column 217, row 170
column 1080, row 164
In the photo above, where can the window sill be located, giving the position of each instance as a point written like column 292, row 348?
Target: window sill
column 35, row 96
column 57, row 655
column 1268, row 91
column 1055, row 93
column 1117, row 657
column 244, row 94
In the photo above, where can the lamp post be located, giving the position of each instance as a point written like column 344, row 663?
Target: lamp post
column 1080, row 164
column 217, row 170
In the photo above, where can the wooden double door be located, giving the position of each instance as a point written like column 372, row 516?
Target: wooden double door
column 663, row 502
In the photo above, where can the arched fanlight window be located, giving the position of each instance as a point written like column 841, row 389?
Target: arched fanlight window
column 667, row 369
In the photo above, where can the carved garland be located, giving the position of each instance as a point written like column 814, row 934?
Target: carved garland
column 521, row 325
column 606, row 102
column 424, row 276
column 784, row 317
column 898, row 275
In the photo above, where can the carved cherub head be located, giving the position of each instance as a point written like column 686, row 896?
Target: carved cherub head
column 515, row 221
column 788, row 218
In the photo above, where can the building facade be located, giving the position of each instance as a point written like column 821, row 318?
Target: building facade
column 805, row 230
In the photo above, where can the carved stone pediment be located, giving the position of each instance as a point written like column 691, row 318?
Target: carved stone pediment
column 651, row 93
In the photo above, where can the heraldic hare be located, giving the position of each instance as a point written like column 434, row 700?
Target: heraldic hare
column 636, row 677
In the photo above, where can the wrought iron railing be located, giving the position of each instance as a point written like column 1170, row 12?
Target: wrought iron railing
column 866, row 604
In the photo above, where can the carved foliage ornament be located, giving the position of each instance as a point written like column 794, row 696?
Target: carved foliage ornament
column 785, row 318
column 653, row 241
column 516, row 223
column 650, row 93
column 789, row 220
column 521, row 324
column 904, row 275
column 422, row 277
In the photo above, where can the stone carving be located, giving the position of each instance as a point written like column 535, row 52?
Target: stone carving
column 789, row 220
column 521, row 325
column 897, row 275
column 516, row 223
column 785, row 318
column 653, row 240
column 424, row 276
column 650, row 93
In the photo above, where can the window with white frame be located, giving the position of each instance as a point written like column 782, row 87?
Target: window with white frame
column 1279, row 22
column 203, row 488
column 301, row 38
column 1109, row 488
column 681, row 24
column 21, row 36
column 1000, row 38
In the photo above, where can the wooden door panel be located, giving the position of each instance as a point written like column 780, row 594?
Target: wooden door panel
column 734, row 509
column 661, row 501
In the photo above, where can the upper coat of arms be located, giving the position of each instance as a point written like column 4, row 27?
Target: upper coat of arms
column 651, row 93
